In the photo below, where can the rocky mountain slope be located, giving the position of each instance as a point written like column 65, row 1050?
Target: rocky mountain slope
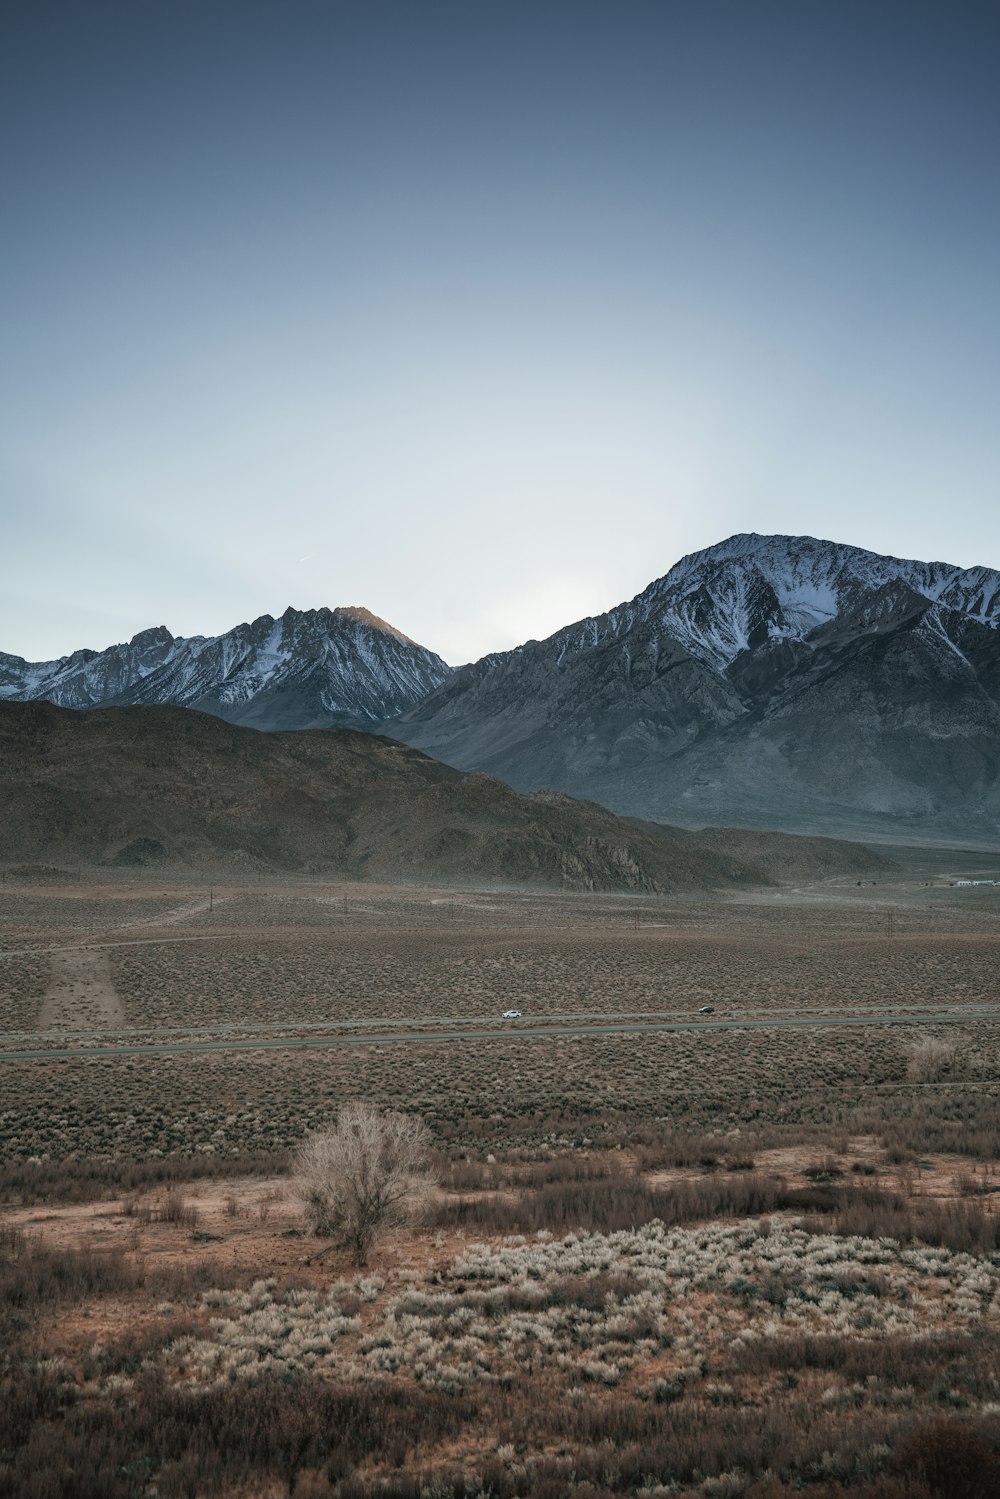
column 770, row 680
column 158, row 784
column 308, row 668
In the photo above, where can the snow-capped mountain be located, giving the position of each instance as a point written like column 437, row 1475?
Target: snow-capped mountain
column 309, row 668
column 773, row 679
column 751, row 590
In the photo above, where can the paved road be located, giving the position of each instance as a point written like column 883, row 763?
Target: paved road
column 515, row 1031
column 586, row 1019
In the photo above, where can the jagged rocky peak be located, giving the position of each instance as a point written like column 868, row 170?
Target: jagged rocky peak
column 358, row 614
column 324, row 621
column 877, row 610
column 307, row 669
column 157, row 635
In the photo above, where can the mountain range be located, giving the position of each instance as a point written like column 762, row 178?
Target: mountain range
column 772, row 681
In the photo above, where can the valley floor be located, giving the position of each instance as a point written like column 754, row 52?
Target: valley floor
column 752, row 1252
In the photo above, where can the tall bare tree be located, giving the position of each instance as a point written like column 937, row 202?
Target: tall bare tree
column 369, row 1173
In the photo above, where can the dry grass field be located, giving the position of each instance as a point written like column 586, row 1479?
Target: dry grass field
column 732, row 1259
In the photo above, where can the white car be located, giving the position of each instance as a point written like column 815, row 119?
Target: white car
column 511, row 1015
column 707, row 1010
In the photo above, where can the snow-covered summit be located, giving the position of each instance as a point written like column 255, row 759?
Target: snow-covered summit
column 749, row 589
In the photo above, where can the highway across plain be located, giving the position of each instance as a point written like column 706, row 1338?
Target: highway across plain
column 514, row 1031
column 136, row 1034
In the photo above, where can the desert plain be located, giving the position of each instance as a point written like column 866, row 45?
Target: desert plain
column 718, row 1214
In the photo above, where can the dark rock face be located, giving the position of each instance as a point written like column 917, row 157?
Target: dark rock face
column 140, row 852
column 306, row 669
column 777, row 681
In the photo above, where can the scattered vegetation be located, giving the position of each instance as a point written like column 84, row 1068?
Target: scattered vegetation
column 744, row 1265
column 748, row 1359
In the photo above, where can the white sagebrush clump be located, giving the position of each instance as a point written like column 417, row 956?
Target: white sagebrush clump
column 296, row 1334
column 594, row 1369
column 497, row 1312
column 731, row 1485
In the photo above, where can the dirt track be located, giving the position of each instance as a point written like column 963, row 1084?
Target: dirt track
column 81, row 990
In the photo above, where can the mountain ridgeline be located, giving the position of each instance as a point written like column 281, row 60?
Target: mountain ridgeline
column 309, row 668
column 768, row 681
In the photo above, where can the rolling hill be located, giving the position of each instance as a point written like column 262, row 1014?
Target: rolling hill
column 160, row 784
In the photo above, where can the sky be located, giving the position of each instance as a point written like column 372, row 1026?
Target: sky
column 482, row 314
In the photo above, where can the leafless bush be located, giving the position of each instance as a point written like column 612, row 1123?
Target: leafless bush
column 369, row 1173
column 740, row 1161
column 605, row 1205
column 930, row 1059
column 32, row 1275
column 963, row 1226
column 959, row 1123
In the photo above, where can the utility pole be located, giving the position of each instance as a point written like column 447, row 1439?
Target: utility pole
column 890, row 926
column 211, row 901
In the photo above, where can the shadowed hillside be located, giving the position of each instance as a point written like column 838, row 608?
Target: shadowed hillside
column 148, row 784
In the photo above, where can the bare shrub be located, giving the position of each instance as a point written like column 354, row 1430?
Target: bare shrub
column 493, row 1175
column 369, row 1173
column 962, row 1226
column 930, row 1059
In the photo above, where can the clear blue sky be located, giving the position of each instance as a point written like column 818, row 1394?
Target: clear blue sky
column 482, row 314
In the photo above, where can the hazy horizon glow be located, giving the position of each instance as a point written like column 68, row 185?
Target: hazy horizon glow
column 482, row 316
